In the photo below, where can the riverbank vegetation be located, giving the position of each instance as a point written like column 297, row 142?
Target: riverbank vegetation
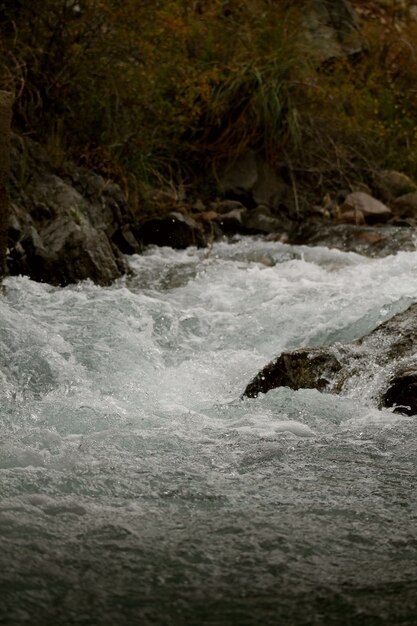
column 163, row 92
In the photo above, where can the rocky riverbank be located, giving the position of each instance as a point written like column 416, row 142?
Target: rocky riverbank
column 70, row 224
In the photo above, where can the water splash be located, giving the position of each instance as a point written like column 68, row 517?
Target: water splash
column 137, row 488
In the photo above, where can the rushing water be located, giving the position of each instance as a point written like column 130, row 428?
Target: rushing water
column 137, row 488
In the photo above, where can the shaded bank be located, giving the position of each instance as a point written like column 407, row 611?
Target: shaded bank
column 6, row 103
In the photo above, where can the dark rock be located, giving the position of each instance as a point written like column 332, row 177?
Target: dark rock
column 174, row 229
column 226, row 206
column 261, row 220
column 390, row 184
column 305, row 368
column 373, row 241
column 251, row 180
column 63, row 229
column 6, row 103
column 402, row 392
column 65, row 253
column 107, row 209
column 331, row 30
column 232, row 222
column 406, row 206
column 336, row 368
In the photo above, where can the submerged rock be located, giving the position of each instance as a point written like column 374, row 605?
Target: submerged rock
column 304, row 368
column 402, row 391
column 387, row 350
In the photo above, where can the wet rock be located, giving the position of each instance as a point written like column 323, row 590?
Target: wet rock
column 262, row 221
column 64, row 252
column 305, row 368
column 402, row 391
column 107, row 209
column 371, row 209
column 174, row 229
column 340, row 367
column 373, row 241
column 65, row 228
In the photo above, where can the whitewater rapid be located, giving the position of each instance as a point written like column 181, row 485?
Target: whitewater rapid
column 136, row 487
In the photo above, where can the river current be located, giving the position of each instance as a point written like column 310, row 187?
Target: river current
column 137, row 488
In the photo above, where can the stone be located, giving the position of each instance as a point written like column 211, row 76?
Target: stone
column 390, row 184
column 174, row 229
column 371, row 241
column 232, row 222
column 372, row 209
column 331, row 30
column 350, row 217
column 66, row 228
column 261, row 221
column 251, row 180
column 65, row 252
column 344, row 367
column 402, row 391
column 305, row 368
column 406, row 206
column 206, row 216
column 226, row 206
column 107, row 209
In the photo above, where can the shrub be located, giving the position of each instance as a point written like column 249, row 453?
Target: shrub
column 161, row 90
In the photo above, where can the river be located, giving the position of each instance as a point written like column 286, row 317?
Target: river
column 137, row 488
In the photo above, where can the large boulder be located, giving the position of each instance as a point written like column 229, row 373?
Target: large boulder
column 107, row 209
column 370, row 210
column 76, row 251
column 65, row 227
column 389, row 350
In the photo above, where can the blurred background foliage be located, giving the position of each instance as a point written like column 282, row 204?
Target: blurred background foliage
column 164, row 91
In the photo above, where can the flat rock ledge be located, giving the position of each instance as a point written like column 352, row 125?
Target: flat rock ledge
column 387, row 355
